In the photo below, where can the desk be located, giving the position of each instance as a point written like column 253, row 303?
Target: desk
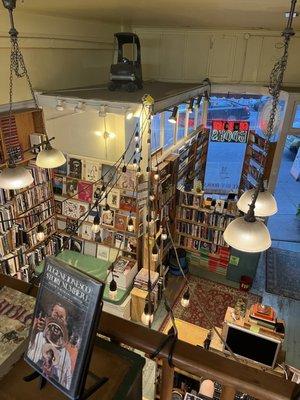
column 122, row 367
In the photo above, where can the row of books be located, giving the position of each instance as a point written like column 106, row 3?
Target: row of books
column 199, row 231
column 36, row 215
column 197, row 244
column 40, row 175
column 257, row 140
column 215, row 220
column 6, row 195
column 49, row 228
column 92, row 170
column 33, row 196
column 215, row 203
column 7, row 212
column 216, row 262
column 11, row 239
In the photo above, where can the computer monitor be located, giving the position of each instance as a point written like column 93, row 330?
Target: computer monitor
column 251, row 345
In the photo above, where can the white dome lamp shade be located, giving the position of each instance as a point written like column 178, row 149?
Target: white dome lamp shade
column 50, row 157
column 265, row 204
column 247, row 233
column 15, row 177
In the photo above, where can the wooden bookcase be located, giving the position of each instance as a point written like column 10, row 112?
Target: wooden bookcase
column 255, row 156
column 18, row 240
column 123, row 202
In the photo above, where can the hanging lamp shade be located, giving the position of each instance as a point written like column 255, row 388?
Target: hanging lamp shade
column 250, row 237
column 15, row 177
column 265, row 205
column 50, row 158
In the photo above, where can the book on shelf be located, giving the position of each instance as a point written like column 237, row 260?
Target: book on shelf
column 75, row 168
column 91, row 170
column 113, row 198
column 121, row 222
column 85, row 191
column 16, row 316
column 265, row 313
column 90, row 248
column 127, row 180
column 66, row 317
column 108, row 218
column 103, row 252
column 71, row 187
column 127, row 203
column 58, row 185
column 141, row 279
column 109, row 174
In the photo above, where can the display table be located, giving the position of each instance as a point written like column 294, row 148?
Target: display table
column 97, row 268
column 122, row 367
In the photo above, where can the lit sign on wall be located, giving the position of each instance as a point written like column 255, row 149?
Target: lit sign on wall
column 229, row 131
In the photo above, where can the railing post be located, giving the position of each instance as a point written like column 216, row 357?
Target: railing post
column 167, row 380
column 228, row 393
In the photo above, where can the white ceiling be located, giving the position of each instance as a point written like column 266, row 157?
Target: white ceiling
column 267, row 14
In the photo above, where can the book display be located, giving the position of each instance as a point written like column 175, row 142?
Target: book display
column 82, row 180
column 256, row 155
column 200, row 222
column 66, row 316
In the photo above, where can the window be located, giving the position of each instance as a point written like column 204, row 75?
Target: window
column 191, row 121
column 181, row 121
column 199, row 115
column 296, row 122
column 155, row 132
column 169, row 130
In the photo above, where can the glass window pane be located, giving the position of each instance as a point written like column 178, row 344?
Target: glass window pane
column 191, row 121
column 155, row 132
column 199, row 115
column 169, row 130
column 296, row 122
column 181, row 121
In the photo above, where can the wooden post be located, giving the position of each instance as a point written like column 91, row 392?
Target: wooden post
column 228, row 393
column 167, row 380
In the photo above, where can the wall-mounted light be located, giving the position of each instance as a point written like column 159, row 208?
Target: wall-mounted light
column 60, row 105
column 173, row 117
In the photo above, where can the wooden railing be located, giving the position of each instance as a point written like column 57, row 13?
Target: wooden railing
column 231, row 375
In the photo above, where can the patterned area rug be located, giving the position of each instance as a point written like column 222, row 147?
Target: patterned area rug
column 283, row 273
column 212, row 297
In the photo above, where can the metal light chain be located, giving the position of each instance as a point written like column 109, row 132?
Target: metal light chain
column 276, row 79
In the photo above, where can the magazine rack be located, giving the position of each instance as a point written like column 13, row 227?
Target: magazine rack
column 99, row 382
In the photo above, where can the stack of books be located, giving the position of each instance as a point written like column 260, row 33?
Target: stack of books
column 124, row 271
column 263, row 315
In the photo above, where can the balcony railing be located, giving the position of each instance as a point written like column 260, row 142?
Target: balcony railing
column 233, row 376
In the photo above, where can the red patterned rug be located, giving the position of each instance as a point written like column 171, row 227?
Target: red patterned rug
column 214, row 298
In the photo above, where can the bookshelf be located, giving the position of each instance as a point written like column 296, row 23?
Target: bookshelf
column 29, row 207
column 200, row 222
column 255, row 156
column 79, row 178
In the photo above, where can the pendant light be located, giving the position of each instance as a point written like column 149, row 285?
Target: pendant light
column 185, row 300
column 112, row 289
column 40, row 233
column 96, row 224
column 130, row 224
column 15, row 177
column 50, row 157
column 248, row 233
column 265, row 205
column 148, row 313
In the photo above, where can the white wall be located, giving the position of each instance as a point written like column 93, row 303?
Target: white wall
column 59, row 52
column 223, row 56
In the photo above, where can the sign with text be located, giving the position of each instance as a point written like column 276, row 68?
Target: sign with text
column 229, row 131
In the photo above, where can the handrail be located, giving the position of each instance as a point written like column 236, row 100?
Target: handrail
column 192, row 359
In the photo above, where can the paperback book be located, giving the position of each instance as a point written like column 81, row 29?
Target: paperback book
column 75, row 168
column 85, row 191
column 91, row 170
column 66, row 315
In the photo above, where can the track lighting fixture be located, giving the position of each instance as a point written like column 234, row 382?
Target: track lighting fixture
column 40, row 233
column 185, row 300
column 148, row 313
column 113, row 289
column 96, row 223
column 60, row 105
column 129, row 115
column 173, row 117
column 80, row 107
column 102, row 111
column 191, row 105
